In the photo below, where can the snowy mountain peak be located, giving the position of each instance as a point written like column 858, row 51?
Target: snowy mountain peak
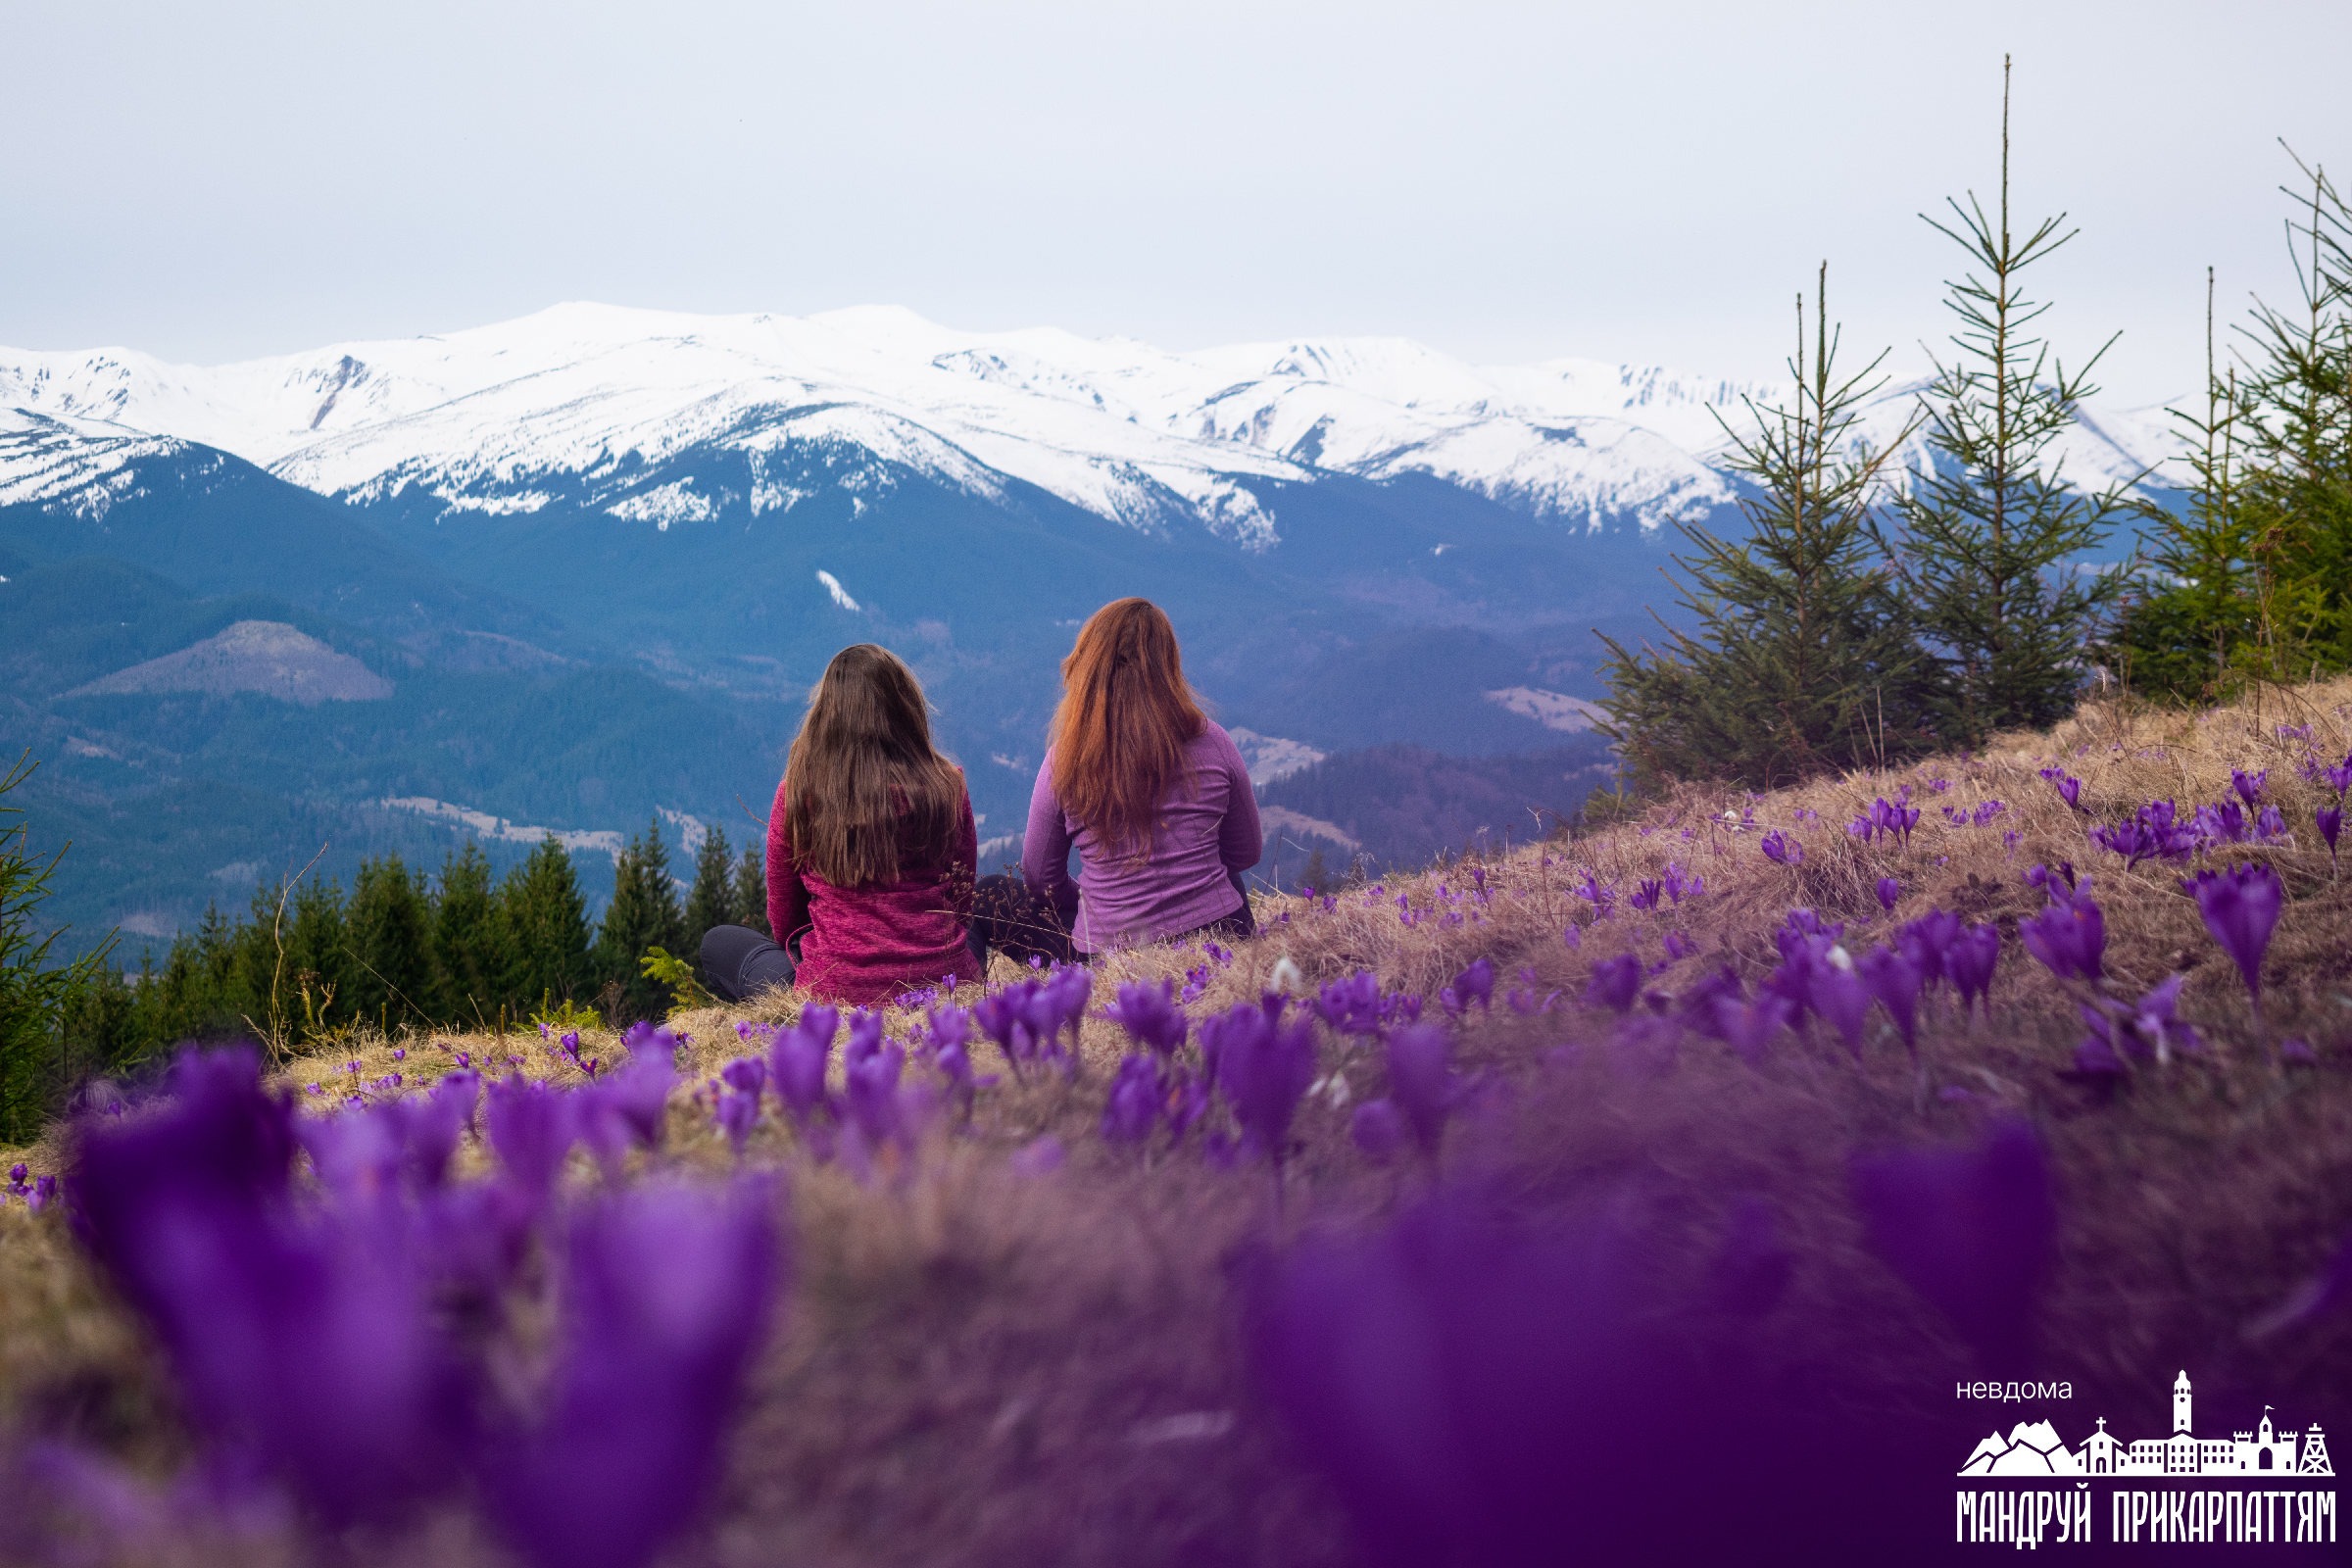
column 589, row 401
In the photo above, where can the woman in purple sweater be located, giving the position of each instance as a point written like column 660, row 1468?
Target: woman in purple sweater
column 1150, row 791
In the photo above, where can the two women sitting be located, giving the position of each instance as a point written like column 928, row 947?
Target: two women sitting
column 872, row 852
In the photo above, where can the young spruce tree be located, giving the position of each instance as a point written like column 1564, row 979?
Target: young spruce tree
column 544, row 921
column 1799, row 660
column 34, row 993
column 2189, row 620
column 469, row 960
column 2297, row 490
column 1990, row 528
column 751, row 889
column 390, row 931
column 643, row 914
column 711, row 900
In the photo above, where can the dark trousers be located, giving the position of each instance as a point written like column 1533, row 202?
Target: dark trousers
column 740, row 962
column 1011, row 917
column 1007, row 917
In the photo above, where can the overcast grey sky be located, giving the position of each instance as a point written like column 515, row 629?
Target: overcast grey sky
column 1647, row 182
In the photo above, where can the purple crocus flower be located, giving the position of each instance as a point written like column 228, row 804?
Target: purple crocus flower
column 1781, row 850
column 1262, row 1067
column 1800, row 923
column 531, row 1128
column 1891, row 894
column 1749, row 1027
column 669, row 1291
column 737, row 1114
column 1896, row 981
column 2225, row 823
column 870, row 1100
column 863, row 1039
column 2250, row 786
column 746, row 1075
column 1188, row 1100
column 2069, row 937
column 637, row 1096
column 305, row 1345
column 1421, row 1081
column 1924, row 941
column 1838, row 994
column 1616, row 983
column 946, row 1027
column 1010, row 1017
column 2150, row 1029
column 1474, row 984
column 1150, row 1015
column 2069, row 788
column 2240, row 907
column 2331, row 820
column 1133, row 1107
column 1972, row 1229
column 2338, row 777
column 1446, row 1370
column 1061, row 1007
column 797, row 1058
column 1969, row 961
column 1352, row 1006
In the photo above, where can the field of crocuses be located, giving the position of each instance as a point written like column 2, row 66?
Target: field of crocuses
column 1636, row 1197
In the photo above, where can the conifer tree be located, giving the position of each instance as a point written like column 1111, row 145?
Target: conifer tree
column 1990, row 528
column 317, row 962
column 545, row 924
column 643, row 914
column 469, row 960
column 34, row 993
column 2297, row 491
column 390, row 937
column 712, row 900
column 2193, row 617
column 1799, row 660
column 751, row 889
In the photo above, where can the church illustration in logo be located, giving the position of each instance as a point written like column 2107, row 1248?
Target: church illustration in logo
column 2032, row 1449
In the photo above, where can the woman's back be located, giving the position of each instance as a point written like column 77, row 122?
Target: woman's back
column 1206, row 835
column 862, row 944
column 1153, row 795
column 871, row 849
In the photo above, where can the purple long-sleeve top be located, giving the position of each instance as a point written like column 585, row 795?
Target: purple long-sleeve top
column 1208, row 835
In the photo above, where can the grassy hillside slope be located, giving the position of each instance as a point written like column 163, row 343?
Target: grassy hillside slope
column 987, row 1357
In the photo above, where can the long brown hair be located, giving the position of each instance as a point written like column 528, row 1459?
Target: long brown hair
column 1125, row 717
column 869, row 799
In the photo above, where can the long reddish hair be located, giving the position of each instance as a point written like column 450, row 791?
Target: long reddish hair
column 869, row 799
column 1126, row 716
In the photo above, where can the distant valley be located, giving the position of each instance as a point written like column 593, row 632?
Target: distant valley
column 576, row 571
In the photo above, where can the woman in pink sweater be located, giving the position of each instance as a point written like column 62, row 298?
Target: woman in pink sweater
column 1152, row 794
column 870, row 851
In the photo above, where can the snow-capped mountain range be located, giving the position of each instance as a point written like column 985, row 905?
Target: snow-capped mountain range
column 581, row 568
column 590, row 402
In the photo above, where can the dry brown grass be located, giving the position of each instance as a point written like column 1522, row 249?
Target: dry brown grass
column 972, row 1361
